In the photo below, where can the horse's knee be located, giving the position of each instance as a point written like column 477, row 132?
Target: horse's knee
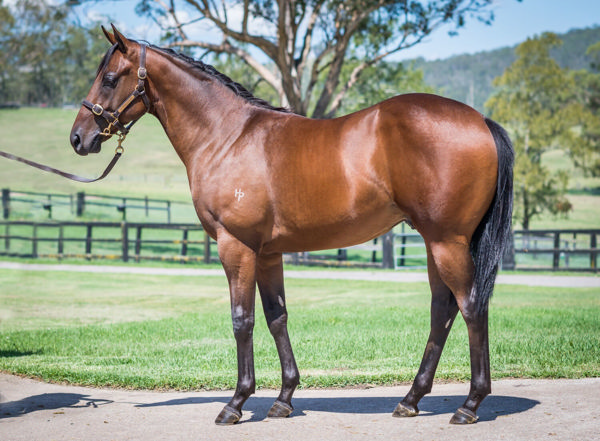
column 243, row 327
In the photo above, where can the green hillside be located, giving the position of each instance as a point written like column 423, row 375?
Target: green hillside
column 149, row 166
column 468, row 78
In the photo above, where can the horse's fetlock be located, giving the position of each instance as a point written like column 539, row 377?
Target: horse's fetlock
column 246, row 387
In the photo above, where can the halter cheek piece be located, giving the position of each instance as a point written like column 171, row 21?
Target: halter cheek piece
column 112, row 118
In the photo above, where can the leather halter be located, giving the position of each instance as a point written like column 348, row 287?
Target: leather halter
column 112, row 118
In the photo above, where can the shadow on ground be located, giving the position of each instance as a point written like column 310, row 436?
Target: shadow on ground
column 493, row 406
column 50, row 401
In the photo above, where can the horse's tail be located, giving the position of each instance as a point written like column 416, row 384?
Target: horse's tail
column 493, row 233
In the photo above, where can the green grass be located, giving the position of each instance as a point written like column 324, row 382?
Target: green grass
column 175, row 332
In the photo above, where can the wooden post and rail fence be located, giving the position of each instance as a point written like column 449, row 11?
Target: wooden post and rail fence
column 572, row 250
column 80, row 202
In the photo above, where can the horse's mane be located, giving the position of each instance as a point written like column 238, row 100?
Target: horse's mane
column 106, row 58
column 237, row 88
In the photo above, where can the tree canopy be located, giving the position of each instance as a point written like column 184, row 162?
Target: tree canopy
column 308, row 43
column 44, row 58
column 545, row 107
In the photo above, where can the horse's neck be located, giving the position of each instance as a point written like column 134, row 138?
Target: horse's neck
column 196, row 114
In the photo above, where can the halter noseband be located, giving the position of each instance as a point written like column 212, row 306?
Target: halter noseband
column 113, row 117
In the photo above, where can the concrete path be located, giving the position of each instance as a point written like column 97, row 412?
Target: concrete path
column 382, row 276
column 517, row 410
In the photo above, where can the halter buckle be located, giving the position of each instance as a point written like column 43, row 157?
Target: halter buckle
column 141, row 73
column 107, row 131
column 97, row 109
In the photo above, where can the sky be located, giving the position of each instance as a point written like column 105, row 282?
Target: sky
column 514, row 22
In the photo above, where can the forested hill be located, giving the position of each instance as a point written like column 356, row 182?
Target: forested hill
column 468, row 78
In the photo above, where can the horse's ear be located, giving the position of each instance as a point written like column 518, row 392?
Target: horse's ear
column 120, row 39
column 110, row 37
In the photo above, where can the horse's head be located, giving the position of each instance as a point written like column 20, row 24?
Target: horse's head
column 117, row 97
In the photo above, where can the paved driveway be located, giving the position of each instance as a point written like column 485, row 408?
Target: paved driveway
column 517, row 410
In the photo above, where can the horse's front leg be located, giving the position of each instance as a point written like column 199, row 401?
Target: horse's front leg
column 270, row 285
column 239, row 263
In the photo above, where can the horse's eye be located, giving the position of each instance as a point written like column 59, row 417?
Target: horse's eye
column 110, row 80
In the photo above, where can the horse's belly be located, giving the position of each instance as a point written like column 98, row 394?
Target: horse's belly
column 334, row 231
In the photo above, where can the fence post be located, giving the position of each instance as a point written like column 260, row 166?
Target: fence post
column 374, row 253
column 184, row 243
column 387, row 245
column 123, row 209
column 138, row 243
column 125, row 241
column 7, row 237
column 88, row 241
column 80, row 204
column 403, row 251
column 5, row 203
column 61, row 244
column 168, row 212
column 48, row 206
column 594, row 252
column 206, row 248
column 34, row 243
column 556, row 259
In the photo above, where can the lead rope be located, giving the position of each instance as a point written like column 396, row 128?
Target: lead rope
column 118, row 152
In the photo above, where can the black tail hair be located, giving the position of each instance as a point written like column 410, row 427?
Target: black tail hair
column 493, row 233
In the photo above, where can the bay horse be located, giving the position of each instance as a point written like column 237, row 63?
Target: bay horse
column 265, row 181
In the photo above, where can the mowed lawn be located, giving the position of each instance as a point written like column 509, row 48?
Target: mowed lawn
column 149, row 331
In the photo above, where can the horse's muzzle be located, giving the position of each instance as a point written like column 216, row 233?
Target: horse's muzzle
column 77, row 141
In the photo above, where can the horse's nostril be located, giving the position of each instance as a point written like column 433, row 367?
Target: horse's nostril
column 76, row 141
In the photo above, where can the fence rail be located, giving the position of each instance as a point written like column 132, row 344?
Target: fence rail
column 569, row 249
column 79, row 202
column 573, row 250
column 107, row 240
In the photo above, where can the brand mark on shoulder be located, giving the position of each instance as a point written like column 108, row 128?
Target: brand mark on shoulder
column 239, row 194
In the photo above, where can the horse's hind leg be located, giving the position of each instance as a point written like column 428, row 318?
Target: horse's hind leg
column 270, row 285
column 455, row 266
column 443, row 312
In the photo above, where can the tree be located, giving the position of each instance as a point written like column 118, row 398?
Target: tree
column 44, row 57
column 308, row 42
column 380, row 82
column 7, row 54
column 537, row 100
column 583, row 140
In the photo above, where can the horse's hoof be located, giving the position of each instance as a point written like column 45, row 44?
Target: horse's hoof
column 280, row 410
column 403, row 411
column 464, row 416
column 228, row 416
